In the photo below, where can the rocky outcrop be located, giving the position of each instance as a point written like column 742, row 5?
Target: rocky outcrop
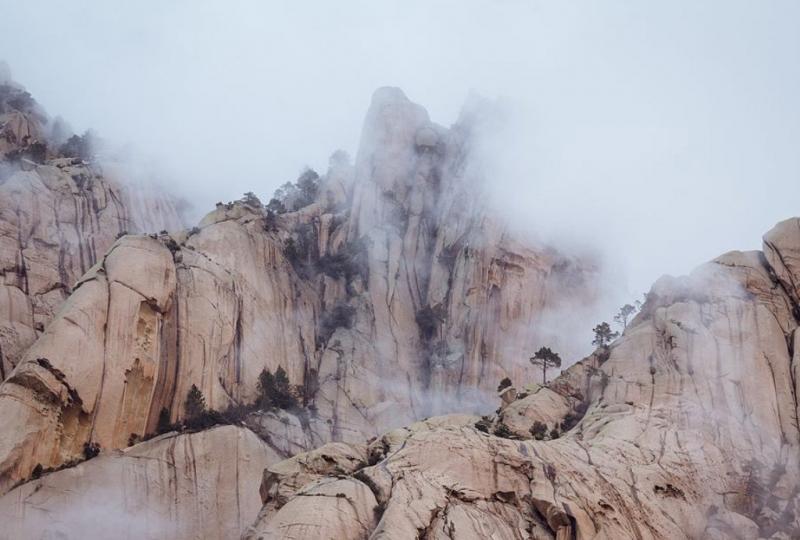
column 200, row 485
column 58, row 217
column 686, row 427
column 389, row 296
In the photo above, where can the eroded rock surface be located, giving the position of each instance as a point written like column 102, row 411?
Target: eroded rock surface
column 391, row 290
column 687, row 427
column 58, row 217
column 200, row 485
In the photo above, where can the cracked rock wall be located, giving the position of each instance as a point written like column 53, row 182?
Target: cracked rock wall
column 442, row 300
column 58, row 217
column 688, row 429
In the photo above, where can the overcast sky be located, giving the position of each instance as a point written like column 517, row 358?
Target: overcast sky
column 663, row 133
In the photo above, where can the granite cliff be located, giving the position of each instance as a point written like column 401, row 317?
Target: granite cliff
column 394, row 299
column 685, row 427
column 386, row 289
column 60, row 211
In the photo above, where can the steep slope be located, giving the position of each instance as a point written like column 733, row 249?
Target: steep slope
column 391, row 289
column 175, row 486
column 687, row 427
column 59, row 213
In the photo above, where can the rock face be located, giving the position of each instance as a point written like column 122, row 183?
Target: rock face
column 390, row 289
column 686, row 427
column 58, row 216
column 388, row 292
column 201, row 485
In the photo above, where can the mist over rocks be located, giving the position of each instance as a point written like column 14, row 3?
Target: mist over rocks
column 685, row 427
column 385, row 289
column 196, row 485
column 60, row 211
column 383, row 295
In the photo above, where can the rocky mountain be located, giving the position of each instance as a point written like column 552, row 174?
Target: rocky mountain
column 60, row 211
column 386, row 291
column 685, row 427
column 317, row 366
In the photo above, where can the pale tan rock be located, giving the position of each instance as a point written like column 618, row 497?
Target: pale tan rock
column 338, row 508
column 690, row 431
column 57, row 219
column 544, row 405
column 287, row 477
column 783, row 254
column 443, row 303
column 203, row 485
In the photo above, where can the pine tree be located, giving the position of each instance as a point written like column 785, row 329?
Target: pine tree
column 624, row 314
column 266, row 389
column 164, row 424
column 275, row 390
column 195, row 404
column 283, row 390
column 603, row 335
column 546, row 358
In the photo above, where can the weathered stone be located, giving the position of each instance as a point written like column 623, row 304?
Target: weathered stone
column 202, row 485
column 690, row 429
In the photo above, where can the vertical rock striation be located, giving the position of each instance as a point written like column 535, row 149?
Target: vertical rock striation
column 58, row 216
column 393, row 294
column 686, row 427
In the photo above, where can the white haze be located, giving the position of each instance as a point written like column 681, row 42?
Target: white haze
column 660, row 134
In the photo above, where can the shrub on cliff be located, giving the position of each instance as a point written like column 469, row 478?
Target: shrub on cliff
column 351, row 260
column 538, row 430
column 194, row 408
column 79, row 146
column 91, row 450
column 341, row 316
column 428, row 321
column 292, row 197
column 275, row 390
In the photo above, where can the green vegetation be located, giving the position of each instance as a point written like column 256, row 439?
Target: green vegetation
column 79, row 146
column 292, row 197
column 538, row 430
column 545, row 358
column 502, row 430
column 275, row 390
column 340, row 316
column 603, row 335
column 428, row 320
column 624, row 314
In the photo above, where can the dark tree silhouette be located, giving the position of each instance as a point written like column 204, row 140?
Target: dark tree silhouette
column 624, row 314
column 91, row 449
column 251, row 199
column 538, row 430
column 79, row 146
column 164, row 424
column 505, row 383
column 275, row 390
column 266, row 389
column 603, row 335
column 195, row 404
column 546, row 358
column 284, row 399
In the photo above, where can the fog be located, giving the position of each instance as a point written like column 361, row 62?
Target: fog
column 659, row 134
